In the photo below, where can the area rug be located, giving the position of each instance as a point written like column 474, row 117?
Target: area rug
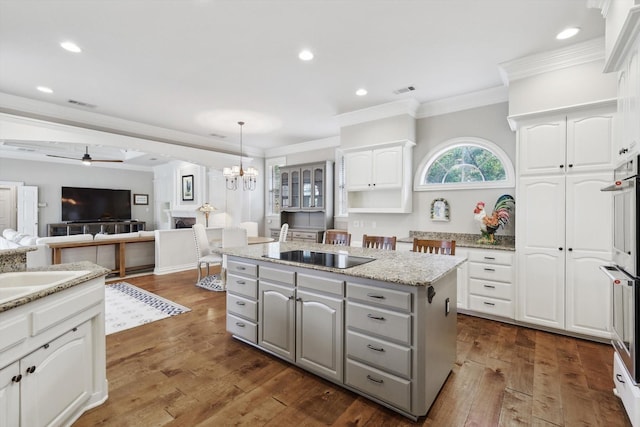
column 211, row 283
column 127, row 306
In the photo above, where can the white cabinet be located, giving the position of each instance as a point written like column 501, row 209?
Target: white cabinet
column 53, row 357
column 576, row 142
column 561, row 249
column 629, row 103
column 491, row 282
column 378, row 179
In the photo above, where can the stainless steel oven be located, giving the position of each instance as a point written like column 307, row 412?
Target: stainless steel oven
column 624, row 272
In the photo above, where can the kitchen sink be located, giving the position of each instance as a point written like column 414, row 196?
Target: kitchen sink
column 19, row 284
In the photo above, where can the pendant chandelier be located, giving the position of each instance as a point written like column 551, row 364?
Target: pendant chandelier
column 237, row 173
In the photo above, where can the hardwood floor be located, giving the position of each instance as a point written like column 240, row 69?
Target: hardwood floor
column 188, row 371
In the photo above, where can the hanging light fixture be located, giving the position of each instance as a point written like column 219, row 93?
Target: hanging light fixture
column 237, row 173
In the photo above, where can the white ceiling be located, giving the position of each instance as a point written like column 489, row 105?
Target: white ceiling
column 199, row 66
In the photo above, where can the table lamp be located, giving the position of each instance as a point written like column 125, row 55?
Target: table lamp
column 206, row 209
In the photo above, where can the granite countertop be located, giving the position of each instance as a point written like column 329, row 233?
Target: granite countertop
column 464, row 240
column 400, row 267
column 94, row 271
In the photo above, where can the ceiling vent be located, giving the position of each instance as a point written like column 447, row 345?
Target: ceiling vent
column 404, row 90
column 81, row 104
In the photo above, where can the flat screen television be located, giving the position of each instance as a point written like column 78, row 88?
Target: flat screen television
column 95, row 204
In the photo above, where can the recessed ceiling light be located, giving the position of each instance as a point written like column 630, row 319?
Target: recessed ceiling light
column 361, row 92
column 305, row 55
column 44, row 89
column 567, row 33
column 71, row 47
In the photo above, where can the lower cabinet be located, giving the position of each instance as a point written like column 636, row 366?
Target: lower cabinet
column 392, row 343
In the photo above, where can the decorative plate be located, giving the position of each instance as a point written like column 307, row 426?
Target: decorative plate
column 439, row 210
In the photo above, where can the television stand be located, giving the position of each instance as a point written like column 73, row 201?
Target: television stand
column 105, row 227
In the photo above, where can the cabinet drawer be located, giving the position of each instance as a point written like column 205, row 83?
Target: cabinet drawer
column 243, row 268
column 499, row 273
column 278, row 275
column 305, row 235
column 242, row 328
column 388, row 324
column 242, row 285
column 376, row 383
column 493, row 306
column 391, row 357
column 322, row 284
column 491, row 257
column 386, row 297
column 242, row 307
column 487, row 288
column 13, row 331
column 625, row 390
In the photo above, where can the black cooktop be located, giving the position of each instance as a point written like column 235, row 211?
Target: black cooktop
column 325, row 259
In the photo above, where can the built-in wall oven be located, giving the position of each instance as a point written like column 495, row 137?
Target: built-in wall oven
column 624, row 272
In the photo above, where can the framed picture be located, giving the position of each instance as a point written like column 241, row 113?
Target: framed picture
column 439, row 210
column 140, row 199
column 187, row 187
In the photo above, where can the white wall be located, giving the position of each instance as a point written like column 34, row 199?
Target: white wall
column 393, row 128
column 50, row 177
column 489, row 122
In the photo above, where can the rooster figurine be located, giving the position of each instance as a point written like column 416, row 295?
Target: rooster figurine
column 499, row 218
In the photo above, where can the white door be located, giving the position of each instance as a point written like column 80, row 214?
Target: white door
column 319, row 325
column 590, row 141
column 542, row 147
column 589, row 229
column 7, row 207
column 387, row 167
column 276, row 331
column 28, row 210
column 10, row 396
column 358, row 170
column 541, row 249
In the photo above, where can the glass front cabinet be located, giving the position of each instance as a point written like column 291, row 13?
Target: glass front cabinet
column 303, row 187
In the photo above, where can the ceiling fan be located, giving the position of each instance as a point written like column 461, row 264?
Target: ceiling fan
column 86, row 158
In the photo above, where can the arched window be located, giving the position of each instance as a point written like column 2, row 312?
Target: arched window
column 463, row 163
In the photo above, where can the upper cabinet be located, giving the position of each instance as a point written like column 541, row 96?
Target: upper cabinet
column 378, row 178
column 577, row 142
column 628, row 100
column 305, row 187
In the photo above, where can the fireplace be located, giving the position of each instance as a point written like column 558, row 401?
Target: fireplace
column 183, row 222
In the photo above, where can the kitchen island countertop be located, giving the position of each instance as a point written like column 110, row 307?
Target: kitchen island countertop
column 406, row 268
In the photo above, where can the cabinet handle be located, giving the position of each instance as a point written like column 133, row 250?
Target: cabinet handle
column 241, row 268
column 31, row 369
column 561, row 166
column 570, row 249
column 570, row 165
column 47, row 345
column 240, row 302
column 623, row 151
column 240, row 324
column 489, row 303
column 489, row 269
column 297, row 299
column 490, row 258
column 371, row 316
column 241, row 282
column 16, row 378
column 380, row 349
column 375, row 380
column 560, row 248
column 489, row 286
column 619, row 378
column 376, row 296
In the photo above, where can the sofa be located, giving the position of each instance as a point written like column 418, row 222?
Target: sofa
column 138, row 254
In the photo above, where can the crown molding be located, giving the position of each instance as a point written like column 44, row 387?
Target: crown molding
column 624, row 43
column 577, row 54
column 303, row 147
column 45, row 111
column 382, row 111
column 494, row 95
column 603, row 5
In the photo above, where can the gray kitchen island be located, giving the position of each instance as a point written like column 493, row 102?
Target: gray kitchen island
column 379, row 323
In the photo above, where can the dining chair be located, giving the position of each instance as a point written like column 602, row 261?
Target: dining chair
column 441, row 247
column 283, row 232
column 234, row 236
column 251, row 227
column 337, row 237
column 379, row 242
column 203, row 250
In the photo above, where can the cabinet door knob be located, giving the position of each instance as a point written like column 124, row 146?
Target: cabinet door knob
column 570, row 165
column 560, row 248
column 31, row 369
column 570, row 249
column 561, row 166
column 16, row 378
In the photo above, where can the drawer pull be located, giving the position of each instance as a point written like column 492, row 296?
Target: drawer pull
column 375, row 380
column 240, row 324
column 240, row 302
column 371, row 316
column 380, row 349
column 619, row 378
column 489, row 269
column 489, row 303
column 489, row 286
column 376, row 296
column 490, row 258
column 241, row 268
column 241, row 282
